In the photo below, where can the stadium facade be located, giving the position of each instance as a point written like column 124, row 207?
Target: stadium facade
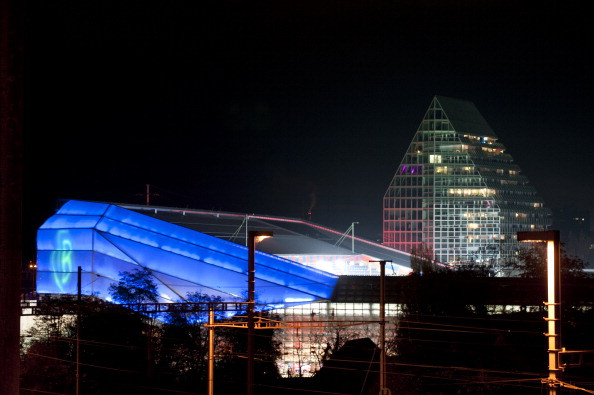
column 105, row 239
column 188, row 251
column 457, row 193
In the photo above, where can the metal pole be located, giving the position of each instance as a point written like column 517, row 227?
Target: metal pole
column 252, row 235
column 78, row 300
column 246, row 230
column 353, row 236
column 383, row 389
column 382, row 328
column 353, row 239
column 211, row 349
column 553, row 306
column 553, row 303
column 250, row 311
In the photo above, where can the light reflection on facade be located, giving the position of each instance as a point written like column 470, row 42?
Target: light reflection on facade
column 61, row 263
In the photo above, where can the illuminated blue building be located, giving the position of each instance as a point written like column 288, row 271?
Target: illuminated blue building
column 106, row 239
column 191, row 251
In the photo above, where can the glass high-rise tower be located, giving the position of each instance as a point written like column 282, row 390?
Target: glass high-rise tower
column 457, row 193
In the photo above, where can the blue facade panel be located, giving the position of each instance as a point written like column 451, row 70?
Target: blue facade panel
column 106, row 239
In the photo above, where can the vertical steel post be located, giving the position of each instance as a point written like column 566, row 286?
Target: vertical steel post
column 553, row 311
column 250, row 311
column 210, row 349
column 382, row 327
column 78, row 302
column 383, row 389
column 353, row 237
column 252, row 235
column 553, row 303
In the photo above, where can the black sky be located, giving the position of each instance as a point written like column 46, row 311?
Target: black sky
column 269, row 107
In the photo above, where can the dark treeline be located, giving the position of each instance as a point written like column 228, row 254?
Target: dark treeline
column 125, row 352
column 446, row 344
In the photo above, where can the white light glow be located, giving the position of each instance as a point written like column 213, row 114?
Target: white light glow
column 298, row 300
column 551, row 272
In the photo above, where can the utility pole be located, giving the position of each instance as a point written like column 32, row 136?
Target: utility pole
column 553, row 311
column 211, row 349
column 78, row 300
column 253, row 237
column 383, row 389
column 553, row 303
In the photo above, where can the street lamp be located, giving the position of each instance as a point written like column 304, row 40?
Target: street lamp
column 254, row 237
column 383, row 389
column 211, row 348
column 553, row 303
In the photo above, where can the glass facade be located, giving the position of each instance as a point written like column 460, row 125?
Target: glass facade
column 349, row 265
column 313, row 330
column 457, row 192
column 105, row 239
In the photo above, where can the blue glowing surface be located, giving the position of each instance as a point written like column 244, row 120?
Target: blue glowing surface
column 105, row 239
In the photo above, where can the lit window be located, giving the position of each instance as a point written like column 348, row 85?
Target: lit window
column 471, row 192
column 434, row 158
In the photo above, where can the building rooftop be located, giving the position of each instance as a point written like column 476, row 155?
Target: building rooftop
column 292, row 236
column 465, row 117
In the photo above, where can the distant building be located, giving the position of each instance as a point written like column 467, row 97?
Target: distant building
column 457, row 192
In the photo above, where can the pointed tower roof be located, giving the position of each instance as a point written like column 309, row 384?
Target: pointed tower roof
column 465, row 117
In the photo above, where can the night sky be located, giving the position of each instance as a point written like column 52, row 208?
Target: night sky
column 275, row 107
